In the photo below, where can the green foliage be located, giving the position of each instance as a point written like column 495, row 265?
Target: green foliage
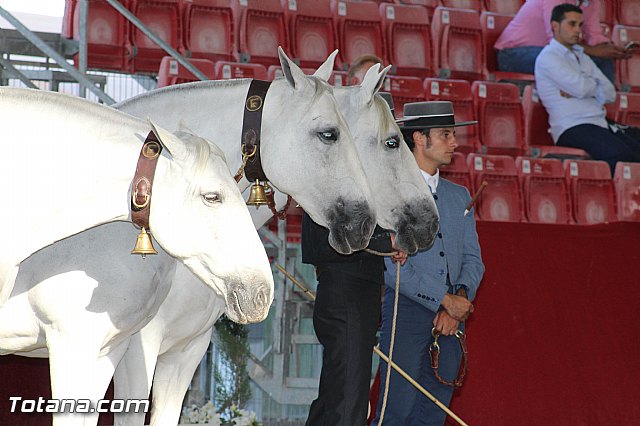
column 232, row 379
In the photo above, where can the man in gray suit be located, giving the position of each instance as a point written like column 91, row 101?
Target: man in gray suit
column 437, row 285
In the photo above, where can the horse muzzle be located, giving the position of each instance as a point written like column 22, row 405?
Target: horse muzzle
column 417, row 227
column 245, row 306
column 350, row 226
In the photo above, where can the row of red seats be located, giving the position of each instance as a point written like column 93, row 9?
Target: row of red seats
column 454, row 43
column 535, row 190
column 541, row 190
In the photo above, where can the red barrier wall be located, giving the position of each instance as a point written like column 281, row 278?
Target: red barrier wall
column 554, row 337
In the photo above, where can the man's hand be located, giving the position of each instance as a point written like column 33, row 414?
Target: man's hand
column 457, row 306
column 400, row 255
column 607, row 51
column 445, row 324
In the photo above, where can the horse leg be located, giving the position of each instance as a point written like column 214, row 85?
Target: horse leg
column 173, row 375
column 78, row 372
column 134, row 374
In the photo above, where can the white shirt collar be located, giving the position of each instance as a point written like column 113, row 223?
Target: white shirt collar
column 432, row 181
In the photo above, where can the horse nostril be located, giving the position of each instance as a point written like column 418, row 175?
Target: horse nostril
column 260, row 299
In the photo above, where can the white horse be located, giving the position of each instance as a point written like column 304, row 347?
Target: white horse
column 68, row 165
column 171, row 346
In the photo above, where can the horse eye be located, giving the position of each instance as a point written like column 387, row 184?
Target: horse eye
column 212, row 197
column 392, row 143
column 330, row 135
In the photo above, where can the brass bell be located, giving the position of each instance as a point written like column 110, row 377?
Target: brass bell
column 144, row 246
column 257, row 196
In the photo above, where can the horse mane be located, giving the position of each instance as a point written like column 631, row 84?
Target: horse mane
column 185, row 87
column 383, row 117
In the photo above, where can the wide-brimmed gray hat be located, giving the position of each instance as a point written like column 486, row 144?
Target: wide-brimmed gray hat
column 389, row 99
column 430, row 114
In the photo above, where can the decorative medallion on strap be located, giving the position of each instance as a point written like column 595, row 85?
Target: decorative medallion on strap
column 141, row 193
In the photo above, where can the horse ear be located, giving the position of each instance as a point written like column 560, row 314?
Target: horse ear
column 292, row 72
column 169, row 141
column 373, row 80
column 325, row 70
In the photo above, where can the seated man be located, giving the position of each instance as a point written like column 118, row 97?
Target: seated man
column 574, row 91
column 530, row 30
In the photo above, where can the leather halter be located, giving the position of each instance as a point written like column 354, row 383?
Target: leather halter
column 143, row 181
column 251, row 130
column 252, row 127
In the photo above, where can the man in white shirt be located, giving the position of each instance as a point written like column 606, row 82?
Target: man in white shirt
column 574, row 91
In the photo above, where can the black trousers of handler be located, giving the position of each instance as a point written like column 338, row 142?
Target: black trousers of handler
column 345, row 318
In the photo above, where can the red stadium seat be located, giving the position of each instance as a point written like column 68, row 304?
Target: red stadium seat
column 544, row 190
column 226, row 70
column 501, row 200
column 509, row 7
column 627, row 183
column 261, row 30
column 163, row 18
column 403, row 90
column 359, row 30
column 107, row 35
column 430, row 5
column 536, row 119
column 463, row 4
column 458, row 171
column 591, row 189
column 171, row 72
column 408, row 38
column 459, row 93
column 311, row 31
column 209, row 30
column 628, row 12
column 626, row 109
column 67, row 18
column 627, row 70
column 609, row 11
column 457, row 43
column 500, row 117
column 492, row 26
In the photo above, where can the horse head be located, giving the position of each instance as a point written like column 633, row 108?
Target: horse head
column 402, row 198
column 329, row 181
column 198, row 216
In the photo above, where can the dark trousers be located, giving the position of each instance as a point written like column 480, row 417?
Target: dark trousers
column 345, row 318
column 602, row 144
column 406, row 405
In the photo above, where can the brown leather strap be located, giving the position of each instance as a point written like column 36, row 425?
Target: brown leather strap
column 251, row 128
column 434, row 351
column 143, row 181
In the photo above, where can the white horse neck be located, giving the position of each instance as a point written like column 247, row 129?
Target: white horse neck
column 211, row 109
column 69, row 164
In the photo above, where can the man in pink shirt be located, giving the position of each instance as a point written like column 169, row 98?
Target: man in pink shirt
column 530, row 30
